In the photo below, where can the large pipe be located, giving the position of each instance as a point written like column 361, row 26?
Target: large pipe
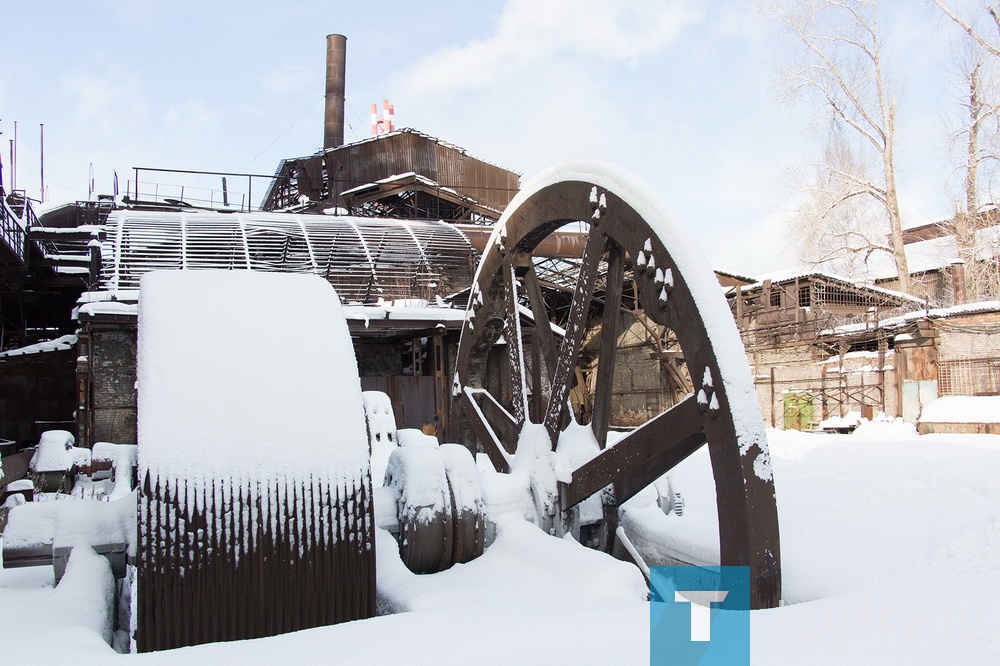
column 336, row 65
column 563, row 244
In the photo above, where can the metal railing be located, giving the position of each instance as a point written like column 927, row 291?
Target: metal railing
column 196, row 189
column 16, row 215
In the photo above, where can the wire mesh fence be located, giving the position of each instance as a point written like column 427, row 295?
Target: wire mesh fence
column 971, row 376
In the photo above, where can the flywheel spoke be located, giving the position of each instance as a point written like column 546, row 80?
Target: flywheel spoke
column 577, row 322
column 515, row 352
column 609, row 344
column 543, row 329
column 641, row 457
column 487, row 435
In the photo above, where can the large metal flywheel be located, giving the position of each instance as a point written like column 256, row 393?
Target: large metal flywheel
column 633, row 238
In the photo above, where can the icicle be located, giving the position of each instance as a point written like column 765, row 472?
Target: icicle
column 648, row 245
column 707, row 379
column 702, row 397
column 604, row 201
column 640, row 261
column 593, row 194
column 714, row 404
column 668, row 277
column 663, row 295
column 659, row 276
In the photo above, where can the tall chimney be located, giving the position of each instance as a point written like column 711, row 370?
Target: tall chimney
column 336, row 64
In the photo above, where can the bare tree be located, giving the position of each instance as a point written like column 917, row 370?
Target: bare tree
column 840, row 66
column 978, row 132
column 839, row 226
column 970, row 26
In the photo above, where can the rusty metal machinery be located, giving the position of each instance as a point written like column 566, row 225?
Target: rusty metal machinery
column 630, row 231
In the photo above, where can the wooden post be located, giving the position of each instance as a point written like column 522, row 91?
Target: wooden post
column 772, row 398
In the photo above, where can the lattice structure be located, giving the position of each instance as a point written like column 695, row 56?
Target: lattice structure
column 365, row 260
column 971, row 376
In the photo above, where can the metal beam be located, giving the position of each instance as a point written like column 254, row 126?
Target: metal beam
column 637, row 460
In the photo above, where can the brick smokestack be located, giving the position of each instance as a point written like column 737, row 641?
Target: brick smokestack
column 336, row 64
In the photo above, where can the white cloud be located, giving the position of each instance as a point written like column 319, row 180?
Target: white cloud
column 289, row 79
column 191, row 116
column 532, row 31
column 99, row 103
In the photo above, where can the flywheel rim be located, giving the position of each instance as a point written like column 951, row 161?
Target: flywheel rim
column 676, row 288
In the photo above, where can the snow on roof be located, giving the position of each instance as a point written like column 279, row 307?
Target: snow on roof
column 53, row 204
column 59, row 344
column 392, row 312
column 736, row 276
column 125, row 295
column 934, row 313
column 937, row 253
column 398, row 177
column 792, row 274
column 94, row 229
column 107, row 308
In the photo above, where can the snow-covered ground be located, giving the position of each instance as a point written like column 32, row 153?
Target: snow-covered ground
column 890, row 553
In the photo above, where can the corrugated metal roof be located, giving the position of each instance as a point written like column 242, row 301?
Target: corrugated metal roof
column 366, row 260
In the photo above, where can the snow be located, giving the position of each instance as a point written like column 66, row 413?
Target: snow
column 124, row 295
column 415, row 437
column 881, row 534
column 123, row 458
column 73, row 522
column 394, row 312
column 890, row 554
column 464, row 479
column 107, row 308
column 417, row 476
column 962, row 409
column 56, row 453
column 381, row 431
column 58, row 344
column 850, row 420
column 223, row 389
column 577, row 446
column 933, row 313
column 51, row 624
column 93, row 229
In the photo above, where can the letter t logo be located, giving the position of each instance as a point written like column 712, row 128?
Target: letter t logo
column 701, row 611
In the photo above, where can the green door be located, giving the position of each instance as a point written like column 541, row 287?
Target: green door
column 798, row 410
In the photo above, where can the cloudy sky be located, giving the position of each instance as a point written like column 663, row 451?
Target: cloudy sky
column 681, row 92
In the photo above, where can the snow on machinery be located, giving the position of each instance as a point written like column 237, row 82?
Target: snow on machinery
column 255, row 513
column 525, row 426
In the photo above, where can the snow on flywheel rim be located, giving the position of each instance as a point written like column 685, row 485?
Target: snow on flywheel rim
column 698, row 275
